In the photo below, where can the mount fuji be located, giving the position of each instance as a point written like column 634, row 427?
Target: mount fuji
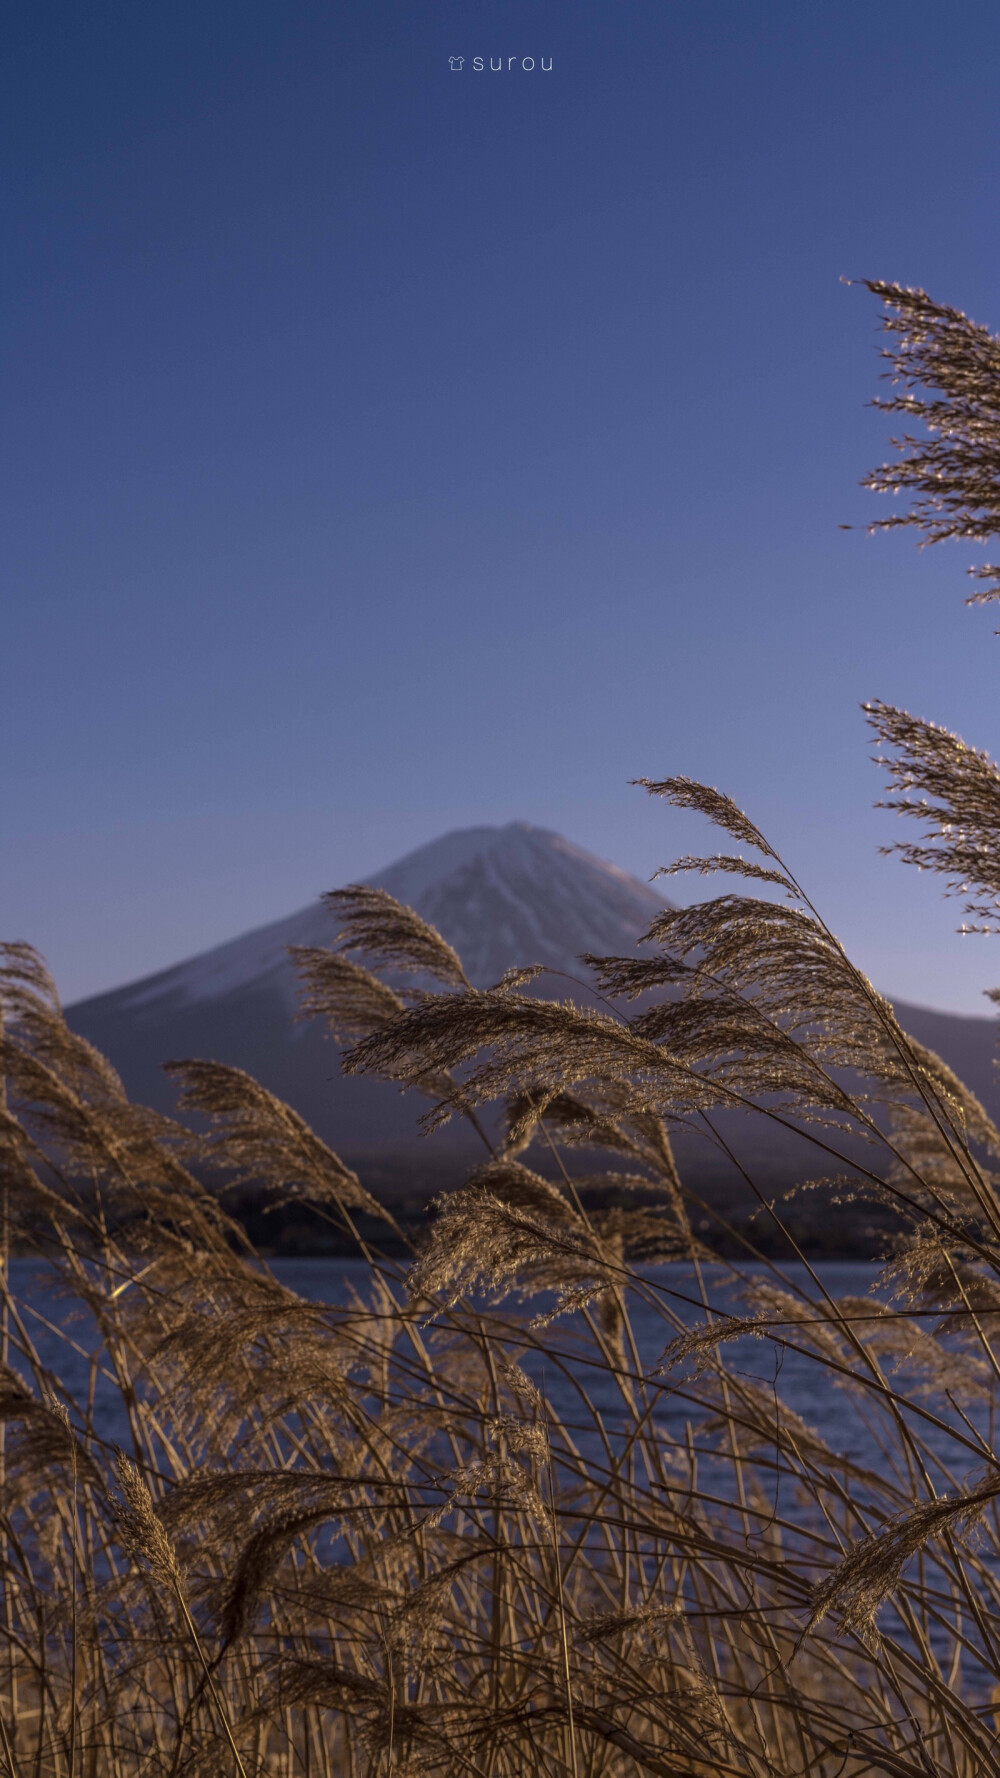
column 501, row 896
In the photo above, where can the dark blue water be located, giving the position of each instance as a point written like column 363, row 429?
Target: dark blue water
column 68, row 1342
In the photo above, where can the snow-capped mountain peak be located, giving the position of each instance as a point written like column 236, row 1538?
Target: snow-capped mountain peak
column 500, row 896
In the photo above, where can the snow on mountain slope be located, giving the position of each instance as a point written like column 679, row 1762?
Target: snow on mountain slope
column 501, row 896
column 528, row 896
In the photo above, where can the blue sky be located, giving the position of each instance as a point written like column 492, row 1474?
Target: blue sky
column 390, row 449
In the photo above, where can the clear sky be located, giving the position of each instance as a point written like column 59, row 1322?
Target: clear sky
column 389, row 448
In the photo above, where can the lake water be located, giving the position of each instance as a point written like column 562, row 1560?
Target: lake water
column 67, row 1339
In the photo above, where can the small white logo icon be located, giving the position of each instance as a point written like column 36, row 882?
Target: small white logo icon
column 455, row 63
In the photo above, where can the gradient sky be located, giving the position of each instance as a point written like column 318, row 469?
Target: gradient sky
column 388, row 449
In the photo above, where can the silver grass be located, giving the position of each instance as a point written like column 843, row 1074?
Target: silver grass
column 349, row 999
column 916, row 1352
column 510, row 1230
column 610, row 1115
column 263, row 1141
column 699, row 1344
column 393, row 936
column 872, row 1570
column 687, row 793
column 957, row 801
column 537, row 1048
column 139, row 1526
column 945, row 370
column 725, row 864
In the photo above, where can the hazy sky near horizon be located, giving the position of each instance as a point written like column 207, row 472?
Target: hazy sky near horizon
column 389, row 448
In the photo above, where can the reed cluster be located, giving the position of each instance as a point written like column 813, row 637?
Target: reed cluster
column 532, row 1500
